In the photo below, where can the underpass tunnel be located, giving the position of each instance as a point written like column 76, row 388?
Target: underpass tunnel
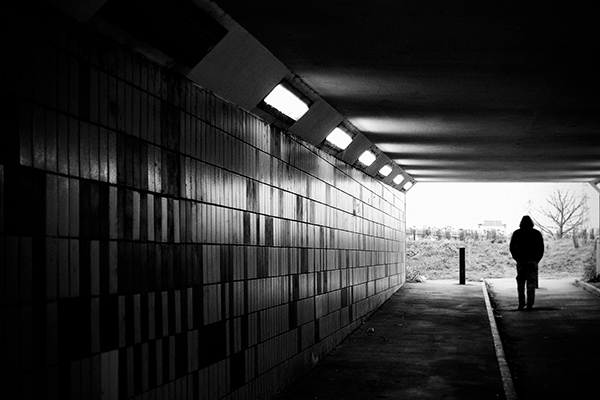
column 165, row 231
column 161, row 233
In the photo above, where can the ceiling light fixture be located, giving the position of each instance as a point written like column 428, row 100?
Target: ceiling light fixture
column 385, row 170
column 398, row 179
column 286, row 102
column 339, row 139
column 407, row 186
column 367, row 158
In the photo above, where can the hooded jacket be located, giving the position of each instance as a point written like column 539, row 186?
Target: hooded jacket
column 527, row 243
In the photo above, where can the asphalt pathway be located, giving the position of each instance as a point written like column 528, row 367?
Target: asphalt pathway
column 430, row 340
column 553, row 351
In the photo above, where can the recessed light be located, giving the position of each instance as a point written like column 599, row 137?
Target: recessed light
column 339, row 139
column 286, row 102
column 385, row 170
column 367, row 158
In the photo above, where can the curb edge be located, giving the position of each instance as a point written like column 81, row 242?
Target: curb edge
column 507, row 382
column 586, row 286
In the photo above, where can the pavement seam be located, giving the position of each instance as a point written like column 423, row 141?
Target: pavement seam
column 507, row 382
column 586, row 286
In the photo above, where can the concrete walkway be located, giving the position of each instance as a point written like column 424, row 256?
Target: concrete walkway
column 434, row 340
column 553, row 351
column 429, row 341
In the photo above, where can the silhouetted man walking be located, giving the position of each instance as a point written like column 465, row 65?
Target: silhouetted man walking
column 527, row 248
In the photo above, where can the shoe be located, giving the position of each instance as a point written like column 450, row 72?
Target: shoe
column 520, row 308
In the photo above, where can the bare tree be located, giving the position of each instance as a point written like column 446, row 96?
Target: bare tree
column 564, row 211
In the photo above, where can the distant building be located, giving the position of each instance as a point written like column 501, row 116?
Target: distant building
column 491, row 226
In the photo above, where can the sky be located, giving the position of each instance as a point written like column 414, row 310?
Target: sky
column 465, row 205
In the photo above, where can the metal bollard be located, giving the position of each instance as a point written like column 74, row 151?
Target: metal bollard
column 461, row 265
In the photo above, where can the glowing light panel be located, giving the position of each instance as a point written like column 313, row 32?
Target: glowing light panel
column 385, row 170
column 398, row 179
column 367, row 158
column 286, row 102
column 339, row 138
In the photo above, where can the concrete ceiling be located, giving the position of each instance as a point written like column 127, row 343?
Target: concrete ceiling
column 450, row 90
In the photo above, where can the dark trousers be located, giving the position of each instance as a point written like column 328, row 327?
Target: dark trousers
column 527, row 273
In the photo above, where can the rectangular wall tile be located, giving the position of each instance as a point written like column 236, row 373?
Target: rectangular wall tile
column 169, row 217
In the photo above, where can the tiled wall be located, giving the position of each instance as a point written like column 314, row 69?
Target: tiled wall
column 158, row 242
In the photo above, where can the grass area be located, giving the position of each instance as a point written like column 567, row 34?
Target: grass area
column 435, row 259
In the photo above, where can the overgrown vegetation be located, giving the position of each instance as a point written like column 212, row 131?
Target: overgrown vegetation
column 438, row 259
